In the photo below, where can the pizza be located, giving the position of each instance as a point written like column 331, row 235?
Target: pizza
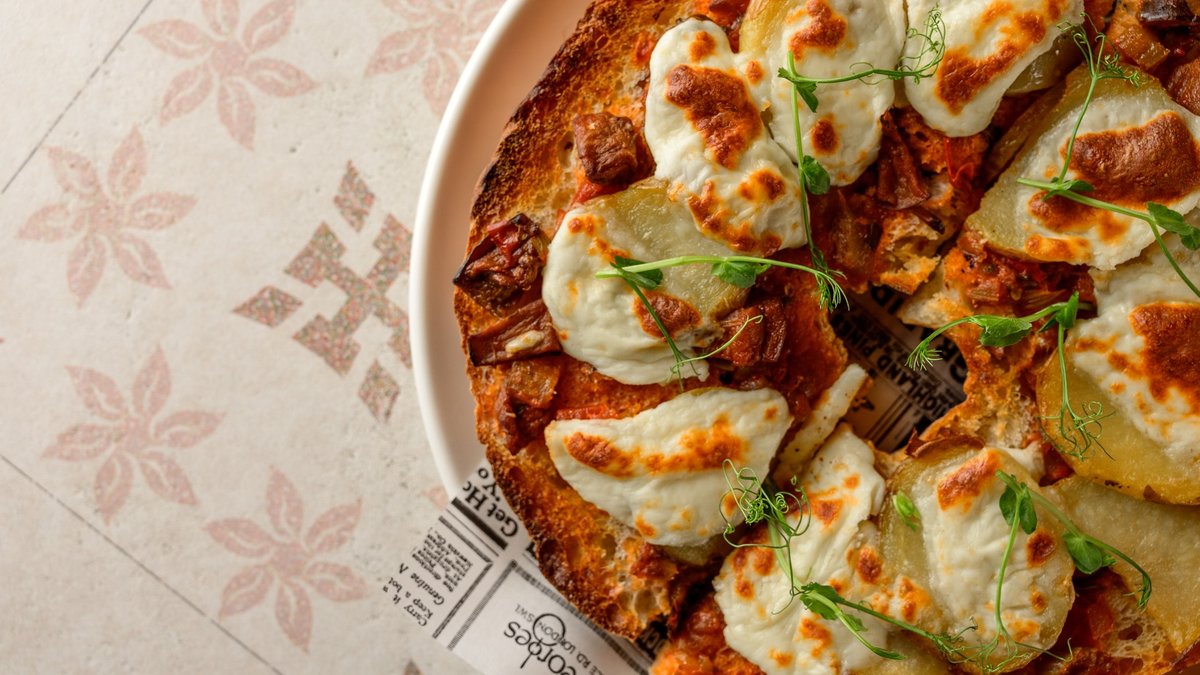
column 680, row 205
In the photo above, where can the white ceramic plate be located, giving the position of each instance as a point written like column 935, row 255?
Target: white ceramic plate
column 507, row 63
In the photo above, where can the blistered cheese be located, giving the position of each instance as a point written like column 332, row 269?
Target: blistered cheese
column 662, row 470
column 708, row 140
column 988, row 43
column 1135, row 145
column 753, row 590
column 965, row 534
column 830, row 38
column 601, row 321
column 1143, row 349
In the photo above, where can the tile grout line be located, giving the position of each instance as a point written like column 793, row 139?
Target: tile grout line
column 139, row 563
column 74, row 98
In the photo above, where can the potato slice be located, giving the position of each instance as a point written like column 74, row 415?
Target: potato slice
column 1048, row 68
column 643, row 220
column 1129, row 462
column 762, row 23
column 955, row 553
column 1163, row 539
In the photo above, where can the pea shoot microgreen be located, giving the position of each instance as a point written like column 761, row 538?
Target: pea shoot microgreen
column 909, row 515
column 932, row 39
column 826, row 602
column 641, row 277
column 676, row 370
column 737, row 270
column 1104, row 64
column 762, row 502
column 649, row 280
column 1088, row 553
column 815, row 179
column 1078, row 428
column 1016, row 504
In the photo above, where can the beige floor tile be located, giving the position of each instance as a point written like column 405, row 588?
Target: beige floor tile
column 75, row 602
column 69, row 40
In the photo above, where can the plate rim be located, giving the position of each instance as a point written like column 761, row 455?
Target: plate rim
column 442, row 394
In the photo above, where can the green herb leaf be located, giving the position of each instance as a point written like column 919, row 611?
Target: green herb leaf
column 816, row 178
column 909, row 515
column 738, row 273
column 826, row 603
column 1016, row 502
column 807, row 91
column 1088, row 557
column 649, row 279
column 853, row 623
column 1173, row 221
column 1065, row 316
column 1191, row 238
column 811, row 595
column 884, row 653
column 1008, row 504
column 1028, row 514
column 1060, row 186
column 829, row 292
column 1001, row 331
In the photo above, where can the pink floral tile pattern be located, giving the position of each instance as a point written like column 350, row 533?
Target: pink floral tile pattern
column 354, row 199
column 438, row 36
column 289, row 559
column 103, row 217
column 131, row 432
column 320, row 262
column 229, row 62
column 270, row 307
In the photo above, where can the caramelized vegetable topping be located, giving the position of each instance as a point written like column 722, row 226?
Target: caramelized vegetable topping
column 526, row 332
column 609, row 149
column 505, row 264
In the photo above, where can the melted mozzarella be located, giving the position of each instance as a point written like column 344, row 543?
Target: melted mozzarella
column 709, row 143
column 661, row 471
column 988, row 43
column 752, row 588
column 1136, row 349
column 833, row 38
column 601, row 321
column 965, row 535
